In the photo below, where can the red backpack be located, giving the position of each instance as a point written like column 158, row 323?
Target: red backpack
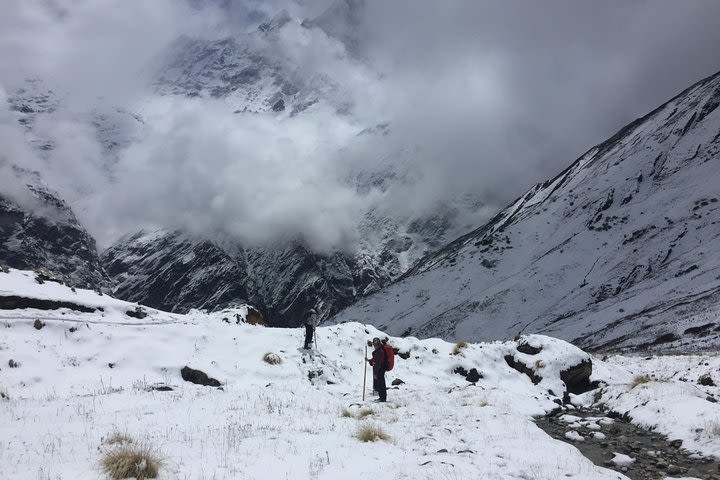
column 389, row 356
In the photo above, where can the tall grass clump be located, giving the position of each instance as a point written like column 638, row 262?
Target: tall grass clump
column 124, row 458
column 371, row 433
column 457, row 348
column 639, row 380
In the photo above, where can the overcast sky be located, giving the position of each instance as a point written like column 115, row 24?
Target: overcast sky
column 482, row 97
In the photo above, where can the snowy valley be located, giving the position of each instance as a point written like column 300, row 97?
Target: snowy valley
column 76, row 386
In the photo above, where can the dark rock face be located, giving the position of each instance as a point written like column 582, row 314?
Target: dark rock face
column 522, row 368
column 577, row 378
column 46, row 234
column 198, row 377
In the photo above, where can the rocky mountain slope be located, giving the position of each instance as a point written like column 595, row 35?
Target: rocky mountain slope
column 176, row 272
column 616, row 251
column 43, row 232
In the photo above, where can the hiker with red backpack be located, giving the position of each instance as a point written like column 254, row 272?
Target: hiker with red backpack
column 382, row 360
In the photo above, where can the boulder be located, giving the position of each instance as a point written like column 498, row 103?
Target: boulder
column 706, row 380
column 198, row 377
column 577, row 378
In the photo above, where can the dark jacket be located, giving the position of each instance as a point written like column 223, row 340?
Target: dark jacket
column 379, row 360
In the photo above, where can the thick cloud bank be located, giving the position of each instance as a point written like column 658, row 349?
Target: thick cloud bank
column 481, row 98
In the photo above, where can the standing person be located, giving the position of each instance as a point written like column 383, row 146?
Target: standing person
column 379, row 364
column 311, row 322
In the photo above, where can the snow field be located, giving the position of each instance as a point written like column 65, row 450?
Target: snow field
column 72, row 389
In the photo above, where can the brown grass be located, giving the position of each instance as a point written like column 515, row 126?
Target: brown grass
column 458, row 347
column 371, row 433
column 639, row 380
column 131, row 461
column 345, row 413
column 272, row 358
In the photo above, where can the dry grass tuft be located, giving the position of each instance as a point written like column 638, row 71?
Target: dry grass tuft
column 639, row 380
column 345, row 413
column 364, row 412
column 371, row 433
column 131, row 460
column 458, row 347
column 272, row 358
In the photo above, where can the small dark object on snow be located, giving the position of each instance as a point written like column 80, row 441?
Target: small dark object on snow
column 138, row 313
column 38, row 325
column 72, row 329
column 706, row 380
column 198, row 377
column 397, row 381
column 111, row 365
column 528, row 349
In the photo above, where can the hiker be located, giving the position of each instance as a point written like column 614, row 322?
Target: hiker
column 311, row 322
column 379, row 364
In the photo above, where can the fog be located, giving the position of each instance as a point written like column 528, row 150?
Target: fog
column 481, row 98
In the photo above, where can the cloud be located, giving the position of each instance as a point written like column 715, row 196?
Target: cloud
column 481, row 98
column 250, row 177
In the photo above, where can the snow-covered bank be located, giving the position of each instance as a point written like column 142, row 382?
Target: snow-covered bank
column 85, row 375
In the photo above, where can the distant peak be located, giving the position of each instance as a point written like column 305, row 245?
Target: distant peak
column 281, row 19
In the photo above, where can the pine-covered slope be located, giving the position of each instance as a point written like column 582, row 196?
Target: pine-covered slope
column 618, row 250
column 43, row 232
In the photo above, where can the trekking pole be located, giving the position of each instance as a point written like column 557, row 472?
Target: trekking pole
column 315, row 337
column 365, row 373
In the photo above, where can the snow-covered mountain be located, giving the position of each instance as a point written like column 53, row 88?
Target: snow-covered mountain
column 98, row 375
column 172, row 272
column 616, row 251
column 177, row 272
column 248, row 71
column 39, row 230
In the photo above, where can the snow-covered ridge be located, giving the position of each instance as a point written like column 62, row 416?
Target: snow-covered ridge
column 614, row 252
column 71, row 384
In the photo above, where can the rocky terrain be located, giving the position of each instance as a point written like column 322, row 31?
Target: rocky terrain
column 41, row 231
